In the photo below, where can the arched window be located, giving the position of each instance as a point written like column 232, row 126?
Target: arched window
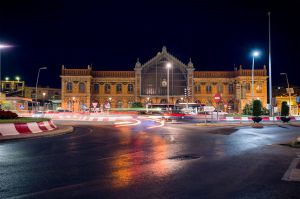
column 130, row 104
column 107, row 88
column 70, row 105
column 208, row 89
column 119, row 88
column 259, row 88
column 81, row 87
column 96, row 88
column 248, row 87
column 220, row 88
column 130, row 88
column 69, row 87
column 119, row 104
column 230, row 88
column 197, row 89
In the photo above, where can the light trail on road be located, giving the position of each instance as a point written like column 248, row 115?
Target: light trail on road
column 137, row 122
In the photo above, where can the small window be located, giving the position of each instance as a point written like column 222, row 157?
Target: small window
column 107, row 88
column 130, row 88
column 248, row 87
column 208, row 89
column 230, row 88
column 197, row 89
column 259, row 88
column 69, row 87
column 119, row 104
column 220, row 88
column 119, row 88
column 81, row 87
column 96, row 88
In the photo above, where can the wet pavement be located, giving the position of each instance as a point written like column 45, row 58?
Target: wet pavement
column 172, row 161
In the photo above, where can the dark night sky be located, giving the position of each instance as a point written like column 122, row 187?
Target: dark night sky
column 110, row 35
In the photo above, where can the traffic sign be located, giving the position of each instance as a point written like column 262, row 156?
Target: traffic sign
column 95, row 104
column 217, row 97
column 22, row 107
column 107, row 105
column 290, row 90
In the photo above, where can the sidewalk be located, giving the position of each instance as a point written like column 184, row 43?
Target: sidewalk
column 59, row 131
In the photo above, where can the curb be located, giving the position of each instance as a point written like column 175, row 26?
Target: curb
column 58, row 131
column 8, row 129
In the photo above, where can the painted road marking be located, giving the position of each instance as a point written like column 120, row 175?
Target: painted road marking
column 293, row 173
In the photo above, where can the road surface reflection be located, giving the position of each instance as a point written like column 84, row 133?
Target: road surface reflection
column 141, row 156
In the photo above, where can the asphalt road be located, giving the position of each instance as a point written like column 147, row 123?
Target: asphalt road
column 173, row 161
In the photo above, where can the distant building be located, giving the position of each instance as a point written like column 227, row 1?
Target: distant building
column 13, row 88
column 282, row 96
column 44, row 93
column 16, row 96
column 148, row 82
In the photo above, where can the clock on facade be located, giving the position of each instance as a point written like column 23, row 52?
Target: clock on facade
column 164, row 83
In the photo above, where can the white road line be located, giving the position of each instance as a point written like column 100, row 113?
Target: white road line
column 292, row 174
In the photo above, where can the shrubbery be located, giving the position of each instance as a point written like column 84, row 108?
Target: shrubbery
column 257, row 111
column 285, row 111
column 7, row 115
column 248, row 110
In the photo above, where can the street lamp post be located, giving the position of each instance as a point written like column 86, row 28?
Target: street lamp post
column 147, row 104
column 169, row 65
column 289, row 91
column 2, row 46
column 37, row 80
column 254, row 54
column 109, row 105
column 44, row 94
column 270, row 70
column 73, row 100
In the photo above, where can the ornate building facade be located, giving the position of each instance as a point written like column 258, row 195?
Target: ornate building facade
column 148, row 83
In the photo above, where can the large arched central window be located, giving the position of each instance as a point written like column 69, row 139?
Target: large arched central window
column 81, row 87
column 69, row 87
column 155, row 80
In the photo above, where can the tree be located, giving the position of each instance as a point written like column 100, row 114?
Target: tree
column 6, row 105
column 257, row 108
column 247, row 109
column 137, row 105
column 284, row 109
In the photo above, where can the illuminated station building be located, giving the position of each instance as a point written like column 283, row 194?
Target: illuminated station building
column 148, row 83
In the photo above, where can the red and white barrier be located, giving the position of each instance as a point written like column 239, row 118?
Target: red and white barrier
column 26, row 128
column 293, row 118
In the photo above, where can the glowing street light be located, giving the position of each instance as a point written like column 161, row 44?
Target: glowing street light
column 6, row 78
column 169, row 65
column 254, row 54
column 18, row 78
column 2, row 46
